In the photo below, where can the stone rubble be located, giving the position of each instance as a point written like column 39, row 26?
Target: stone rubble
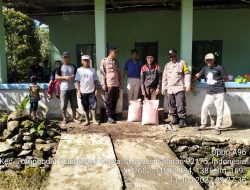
column 19, row 149
column 213, row 159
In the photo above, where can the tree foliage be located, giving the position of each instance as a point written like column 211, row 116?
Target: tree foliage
column 22, row 45
column 43, row 35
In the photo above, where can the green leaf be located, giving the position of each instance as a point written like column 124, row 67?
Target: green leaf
column 32, row 130
column 40, row 126
column 25, row 101
column 22, row 106
column 41, row 133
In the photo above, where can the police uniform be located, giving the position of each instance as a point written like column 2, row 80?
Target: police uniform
column 176, row 77
column 111, row 78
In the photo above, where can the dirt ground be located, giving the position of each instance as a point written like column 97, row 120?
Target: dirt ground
column 124, row 129
column 120, row 130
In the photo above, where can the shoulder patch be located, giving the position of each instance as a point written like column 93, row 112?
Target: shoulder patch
column 185, row 68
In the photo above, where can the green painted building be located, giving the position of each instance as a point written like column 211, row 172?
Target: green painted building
column 193, row 27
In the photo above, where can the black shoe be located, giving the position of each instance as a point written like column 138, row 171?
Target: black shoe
column 111, row 120
column 165, row 115
column 174, row 120
column 114, row 116
column 182, row 123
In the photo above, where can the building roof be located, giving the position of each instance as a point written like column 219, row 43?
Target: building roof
column 52, row 7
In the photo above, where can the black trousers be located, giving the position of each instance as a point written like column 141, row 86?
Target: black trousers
column 177, row 104
column 111, row 99
column 88, row 101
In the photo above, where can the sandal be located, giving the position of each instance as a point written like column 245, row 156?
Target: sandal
column 217, row 131
column 76, row 121
column 202, row 127
column 63, row 124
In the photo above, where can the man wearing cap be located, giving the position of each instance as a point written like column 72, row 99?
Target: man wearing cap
column 86, row 78
column 215, row 77
column 111, row 82
column 150, row 78
column 66, row 74
column 132, row 69
column 175, row 81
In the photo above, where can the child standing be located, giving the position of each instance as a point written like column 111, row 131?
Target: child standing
column 53, row 83
column 86, row 78
column 34, row 90
column 216, row 89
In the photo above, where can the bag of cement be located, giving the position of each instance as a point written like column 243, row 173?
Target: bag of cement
column 150, row 112
column 134, row 111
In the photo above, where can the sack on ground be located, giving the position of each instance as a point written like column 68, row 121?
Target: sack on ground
column 150, row 112
column 134, row 110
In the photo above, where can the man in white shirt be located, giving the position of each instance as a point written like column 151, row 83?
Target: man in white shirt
column 86, row 78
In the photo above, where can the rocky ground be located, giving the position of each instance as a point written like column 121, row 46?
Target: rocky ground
column 26, row 147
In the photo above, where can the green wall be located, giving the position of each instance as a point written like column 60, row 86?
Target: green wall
column 66, row 33
column 123, row 30
column 231, row 26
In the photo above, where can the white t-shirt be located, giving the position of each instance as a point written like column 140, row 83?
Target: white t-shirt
column 87, row 78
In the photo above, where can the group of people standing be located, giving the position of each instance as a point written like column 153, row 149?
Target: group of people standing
column 146, row 78
column 172, row 83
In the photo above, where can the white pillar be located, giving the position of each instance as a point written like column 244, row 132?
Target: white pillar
column 187, row 31
column 100, row 31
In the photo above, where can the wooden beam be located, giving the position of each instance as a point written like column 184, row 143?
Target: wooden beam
column 35, row 5
column 68, row 4
column 114, row 4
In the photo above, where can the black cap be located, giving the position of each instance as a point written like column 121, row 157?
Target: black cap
column 172, row 51
column 150, row 54
column 113, row 48
column 134, row 51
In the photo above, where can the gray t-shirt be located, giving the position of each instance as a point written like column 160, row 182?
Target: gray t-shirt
column 67, row 70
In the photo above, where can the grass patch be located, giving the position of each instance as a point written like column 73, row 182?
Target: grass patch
column 29, row 179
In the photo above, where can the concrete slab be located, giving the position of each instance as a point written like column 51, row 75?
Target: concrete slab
column 85, row 162
column 149, row 164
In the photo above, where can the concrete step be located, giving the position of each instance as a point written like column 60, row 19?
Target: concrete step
column 85, row 161
column 149, row 164
column 144, row 163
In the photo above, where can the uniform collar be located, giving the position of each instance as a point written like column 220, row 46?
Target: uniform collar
column 175, row 62
column 111, row 59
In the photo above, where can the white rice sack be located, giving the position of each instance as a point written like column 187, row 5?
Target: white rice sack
column 150, row 112
column 134, row 111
